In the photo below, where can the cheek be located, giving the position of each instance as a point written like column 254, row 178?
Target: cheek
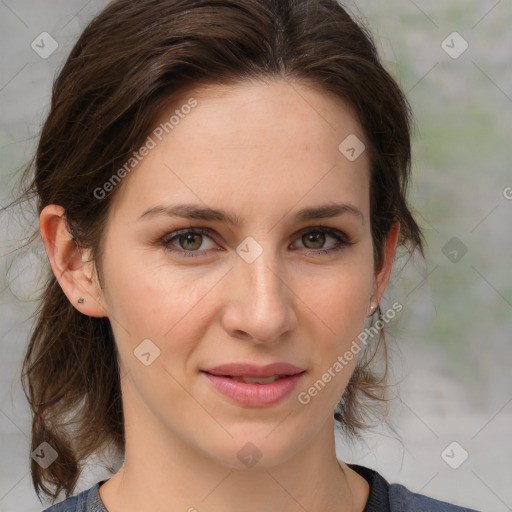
column 339, row 296
column 338, row 304
column 160, row 302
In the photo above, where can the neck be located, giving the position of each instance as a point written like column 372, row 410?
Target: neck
column 161, row 473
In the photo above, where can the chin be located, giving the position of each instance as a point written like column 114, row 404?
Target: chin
column 256, row 447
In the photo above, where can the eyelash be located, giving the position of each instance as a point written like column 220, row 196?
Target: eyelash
column 342, row 241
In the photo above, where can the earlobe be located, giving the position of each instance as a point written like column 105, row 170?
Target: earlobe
column 69, row 264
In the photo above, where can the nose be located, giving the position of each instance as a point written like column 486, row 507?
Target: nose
column 261, row 306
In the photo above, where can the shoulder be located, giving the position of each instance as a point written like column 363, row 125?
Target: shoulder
column 386, row 497
column 401, row 499
column 87, row 501
column 68, row 505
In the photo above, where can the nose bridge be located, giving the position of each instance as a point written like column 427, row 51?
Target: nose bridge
column 264, row 278
column 263, row 307
column 261, row 273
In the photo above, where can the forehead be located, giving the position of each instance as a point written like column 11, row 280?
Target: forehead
column 269, row 144
column 301, row 108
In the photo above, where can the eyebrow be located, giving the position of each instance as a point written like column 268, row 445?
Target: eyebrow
column 194, row 211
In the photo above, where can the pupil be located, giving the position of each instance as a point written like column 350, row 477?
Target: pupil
column 190, row 238
column 315, row 238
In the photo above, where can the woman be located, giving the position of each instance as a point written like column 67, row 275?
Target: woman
column 222, row 189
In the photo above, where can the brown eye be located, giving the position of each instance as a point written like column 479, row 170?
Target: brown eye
column 191, row 241
column 315, row 238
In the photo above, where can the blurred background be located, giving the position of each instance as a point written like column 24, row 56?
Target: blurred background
column 451, row 344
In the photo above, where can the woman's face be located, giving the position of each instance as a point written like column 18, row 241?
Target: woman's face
column 276, row 283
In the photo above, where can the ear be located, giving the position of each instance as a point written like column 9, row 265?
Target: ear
column 389, row 247
column 77, row 277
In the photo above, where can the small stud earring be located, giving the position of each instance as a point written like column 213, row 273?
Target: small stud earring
column 81, row 300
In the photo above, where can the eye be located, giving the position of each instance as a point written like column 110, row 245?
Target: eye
column 187, row 242
column 315, row 239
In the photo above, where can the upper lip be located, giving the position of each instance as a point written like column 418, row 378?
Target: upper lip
column 252, row 370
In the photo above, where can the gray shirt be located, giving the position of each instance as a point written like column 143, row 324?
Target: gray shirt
column 383, row 497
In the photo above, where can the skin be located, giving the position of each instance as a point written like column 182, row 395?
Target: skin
column 262, row 151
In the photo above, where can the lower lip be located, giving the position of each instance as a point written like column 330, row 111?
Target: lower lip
column 254, row 395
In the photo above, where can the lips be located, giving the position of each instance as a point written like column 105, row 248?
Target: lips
column 257, row 380
column 251, row 370
column 254, row 386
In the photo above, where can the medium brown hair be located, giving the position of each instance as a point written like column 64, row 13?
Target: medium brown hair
column 130, row 60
